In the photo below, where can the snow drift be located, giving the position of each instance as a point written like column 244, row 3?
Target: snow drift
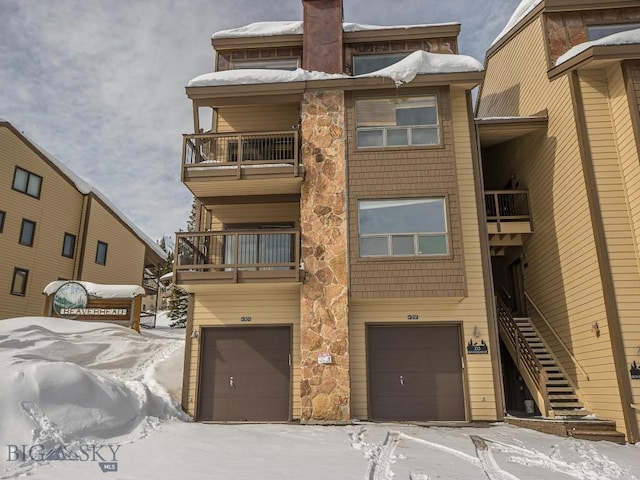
column 66, row 381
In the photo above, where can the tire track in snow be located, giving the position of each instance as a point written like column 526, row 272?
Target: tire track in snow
column 489, row 464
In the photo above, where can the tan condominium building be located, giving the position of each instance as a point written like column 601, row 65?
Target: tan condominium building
column 54, row 226
column 559, row 128
column 338, row 267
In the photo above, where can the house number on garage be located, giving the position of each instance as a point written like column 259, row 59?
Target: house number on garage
column 412, row 317
column 245, row 319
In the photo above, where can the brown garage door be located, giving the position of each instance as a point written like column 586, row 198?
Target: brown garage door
column 245, row 374
column 415, row 373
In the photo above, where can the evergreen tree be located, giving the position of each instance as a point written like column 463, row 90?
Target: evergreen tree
column 178, row 303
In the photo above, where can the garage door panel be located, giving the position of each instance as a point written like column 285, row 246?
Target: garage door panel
column 422, row 382
column 245, row 374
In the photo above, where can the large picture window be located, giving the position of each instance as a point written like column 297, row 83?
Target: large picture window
column 403, row 227
column 397, row 122
column 596, row 32
column 371, row 63
column 27, row 182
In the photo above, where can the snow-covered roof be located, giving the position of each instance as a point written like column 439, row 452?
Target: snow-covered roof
column 404, row 71
column 85, row 188
column 628, row 37
column 270, row 29
column 99, row 291
column 521, row 11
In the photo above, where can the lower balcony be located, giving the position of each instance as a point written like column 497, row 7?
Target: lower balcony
column 258, row 163
column 237, row 256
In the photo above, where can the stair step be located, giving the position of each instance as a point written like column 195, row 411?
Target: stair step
column 557, row 383
column 570, row 412
column 554, row 397
column 562, row 388
column 599, row 436
column 565, row 404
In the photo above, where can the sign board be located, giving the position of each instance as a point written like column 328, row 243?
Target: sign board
column 71, row 301
column 475, row 348
column 324, row 358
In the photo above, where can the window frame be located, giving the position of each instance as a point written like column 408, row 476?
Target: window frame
column 64, row 243
column 106, row 248
column 416, row 235
column 358, row 57
column 24, row 271
column 33, row 232
column 29, row 176
column 410, row 145
column 623, row 27
column 3, row 215
column 266, row 62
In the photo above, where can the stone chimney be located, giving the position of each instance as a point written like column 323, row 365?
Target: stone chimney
column 322, row 39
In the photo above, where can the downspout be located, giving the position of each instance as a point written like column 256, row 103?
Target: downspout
column 606, row 277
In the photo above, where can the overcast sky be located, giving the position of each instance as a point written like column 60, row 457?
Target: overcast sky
column 100, row 83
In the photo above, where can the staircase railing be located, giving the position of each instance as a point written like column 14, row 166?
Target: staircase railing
column 562, row 344
column 532, row 371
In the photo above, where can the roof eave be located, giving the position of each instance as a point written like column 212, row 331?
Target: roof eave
column 594, row 57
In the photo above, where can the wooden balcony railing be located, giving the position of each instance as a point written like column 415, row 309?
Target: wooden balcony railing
column 238, row 150
column 233, row 256
column 504, row 206
column 532, row 371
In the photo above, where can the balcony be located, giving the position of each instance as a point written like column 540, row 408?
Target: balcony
column 508, row 218
column 237, row 256
column 229, row 164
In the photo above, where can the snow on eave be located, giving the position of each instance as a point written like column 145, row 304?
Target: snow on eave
column 85, row 189
column 404, row 71
column 99, row 291
column 628, row 37
column 271, row 29
column 521, row 11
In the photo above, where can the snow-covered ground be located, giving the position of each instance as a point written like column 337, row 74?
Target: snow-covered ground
column 94, row 397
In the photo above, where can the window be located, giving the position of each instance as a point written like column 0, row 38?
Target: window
column 68, row 245
column 397, row 122
column 280, row 64
column 19, row 283
column 101, row 253
column 403, row 227
column 27, row 182
column 27, row 232
column 2, row 215
column 370, row 63
column 596, row 32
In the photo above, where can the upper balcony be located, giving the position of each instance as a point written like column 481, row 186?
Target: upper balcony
column 237, row 256
column 252, row 163
column 508, row 218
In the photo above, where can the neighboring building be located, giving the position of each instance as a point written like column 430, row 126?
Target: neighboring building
column 53, row 226
column 559, row 125
column 337, row 267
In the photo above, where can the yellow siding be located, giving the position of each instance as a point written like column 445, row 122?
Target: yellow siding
column 57, row 211
column 258, row 118
column 562, row 271
column 125, row 253
column 265, row 304
column 626, row 241
column 256, row 213
column 471, row 312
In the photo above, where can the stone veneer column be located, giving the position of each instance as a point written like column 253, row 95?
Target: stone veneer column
column 324, row 302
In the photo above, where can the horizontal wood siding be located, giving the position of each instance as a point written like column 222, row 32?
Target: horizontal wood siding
column 561, row 271
column 58, row 210
column 471, row 312
column 258, row 118
column 265, row 304
column 623, row 240
column 125, row 252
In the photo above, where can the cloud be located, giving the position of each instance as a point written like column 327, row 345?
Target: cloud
column 100, row 84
